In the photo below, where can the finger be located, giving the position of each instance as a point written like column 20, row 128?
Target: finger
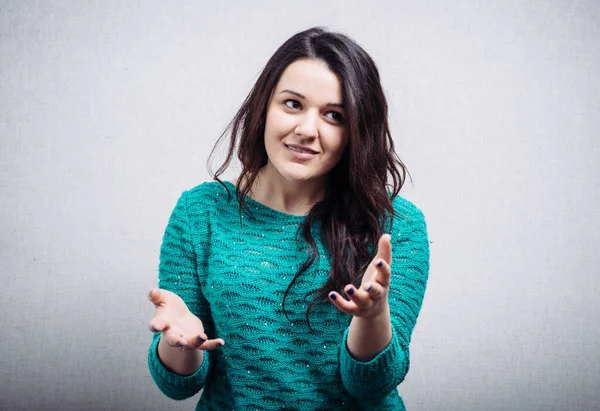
column 342, row 304
column 197, row 340
column 359, row 297
column 384, row 248
column 384, row 272
column 176, row 336
column 158, row 324
column 155, row 296
column 212, row 344
column 375, row 290
column 175, row 339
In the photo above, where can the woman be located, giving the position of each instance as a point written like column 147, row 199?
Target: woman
column 286, row 295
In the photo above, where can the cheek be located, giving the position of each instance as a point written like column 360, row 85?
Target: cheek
column 337, row 145
column 278, row 122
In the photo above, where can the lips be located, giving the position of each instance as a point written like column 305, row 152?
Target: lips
column 300, row 149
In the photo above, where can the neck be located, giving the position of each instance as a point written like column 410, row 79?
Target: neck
column 290, row 197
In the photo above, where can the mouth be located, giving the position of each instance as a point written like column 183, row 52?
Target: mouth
column 299, row 149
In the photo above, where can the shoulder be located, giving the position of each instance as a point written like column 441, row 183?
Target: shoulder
column 410, row 240
column 208, row 189
column 406, row 210
column 201, row 200
column 408, row 220
column 208, row 194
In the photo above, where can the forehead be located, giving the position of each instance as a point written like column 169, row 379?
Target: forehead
column 313, row 79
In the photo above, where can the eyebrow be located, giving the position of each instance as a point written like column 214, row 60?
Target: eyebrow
column 301, row 96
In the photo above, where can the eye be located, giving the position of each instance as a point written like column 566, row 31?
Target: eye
column 335, row 116
column 293, row 104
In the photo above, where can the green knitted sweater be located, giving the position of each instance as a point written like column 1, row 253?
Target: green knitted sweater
column 232, row 274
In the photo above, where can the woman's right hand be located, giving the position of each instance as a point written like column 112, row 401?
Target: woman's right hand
column 179, row 327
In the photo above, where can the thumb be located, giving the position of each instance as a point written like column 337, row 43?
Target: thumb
column 156, row 296
column 384, row 248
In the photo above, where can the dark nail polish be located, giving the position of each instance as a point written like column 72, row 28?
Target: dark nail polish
column 201, row 340
column 332, row 296
column 178, row 344
column 380, row 264
column 154, row 329
column 351, row 291
column 370, row 287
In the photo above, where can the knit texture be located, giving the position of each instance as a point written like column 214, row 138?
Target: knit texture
column 232, row 273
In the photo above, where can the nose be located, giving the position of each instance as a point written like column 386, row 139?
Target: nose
column 308, row 125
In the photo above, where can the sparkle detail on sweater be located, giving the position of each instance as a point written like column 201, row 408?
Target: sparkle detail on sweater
column 232, row 273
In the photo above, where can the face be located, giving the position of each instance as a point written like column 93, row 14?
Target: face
column 305, row 134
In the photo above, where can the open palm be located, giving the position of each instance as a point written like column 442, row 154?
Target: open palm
column 371, row 298
column 178, row 325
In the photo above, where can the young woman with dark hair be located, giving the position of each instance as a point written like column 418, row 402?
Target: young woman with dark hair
column 286, row 295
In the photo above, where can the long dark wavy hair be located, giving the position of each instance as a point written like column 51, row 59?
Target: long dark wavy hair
column 357, row 203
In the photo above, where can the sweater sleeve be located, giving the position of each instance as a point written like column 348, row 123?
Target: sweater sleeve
column 178, row 273
column 373, row 380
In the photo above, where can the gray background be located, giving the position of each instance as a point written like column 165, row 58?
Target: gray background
column 108, row 111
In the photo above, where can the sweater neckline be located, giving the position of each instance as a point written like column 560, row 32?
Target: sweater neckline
column 271, row 212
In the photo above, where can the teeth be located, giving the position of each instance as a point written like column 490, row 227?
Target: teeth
column 299, row 150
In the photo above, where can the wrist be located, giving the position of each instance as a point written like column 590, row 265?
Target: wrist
column 376, row 324
column 368, row 336
column 178, row 361
column 381, row 314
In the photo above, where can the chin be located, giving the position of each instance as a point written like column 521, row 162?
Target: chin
column 297, row 173
column 297, row 177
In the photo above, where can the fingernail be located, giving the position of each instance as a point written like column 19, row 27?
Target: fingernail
column 351, row 291
column 201, row 340
column 149, row 294
column 332, row 296
column 154, row 329
column 370, row 286
column 178, row 344
column 380, row 264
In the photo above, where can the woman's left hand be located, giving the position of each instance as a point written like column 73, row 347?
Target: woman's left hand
column 371, row 298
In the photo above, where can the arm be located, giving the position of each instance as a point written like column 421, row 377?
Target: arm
column 180, row 374
column 374, row 356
